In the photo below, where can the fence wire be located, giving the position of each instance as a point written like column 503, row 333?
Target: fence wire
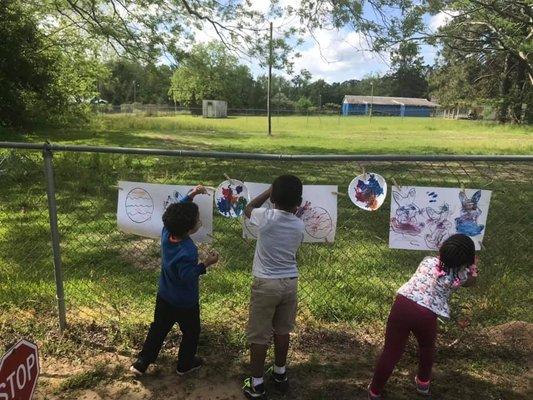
column 111, row 277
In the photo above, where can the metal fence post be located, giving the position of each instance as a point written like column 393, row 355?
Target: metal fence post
column 52, row 211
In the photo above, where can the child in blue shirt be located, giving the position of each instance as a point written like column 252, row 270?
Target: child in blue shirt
column 178, row 295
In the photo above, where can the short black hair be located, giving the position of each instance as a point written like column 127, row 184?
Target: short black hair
column 457, row 252
column 180, row 218
column 287, row 192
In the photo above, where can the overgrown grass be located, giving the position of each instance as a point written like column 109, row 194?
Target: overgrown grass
column 298, row 134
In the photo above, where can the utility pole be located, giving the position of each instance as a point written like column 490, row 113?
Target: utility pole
column 134, row 93
column 371, row 99
column 269, row 83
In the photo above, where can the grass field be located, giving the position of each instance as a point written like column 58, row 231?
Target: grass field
column 345, row 288
column 299, row 134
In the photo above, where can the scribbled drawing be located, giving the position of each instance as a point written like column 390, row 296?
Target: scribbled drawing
column 432, row 197
column 467, row 223
column 231, row 199
column 438, row 225
column 317, row 220
column 139, row 205
column 406, row 220
column 175, row 197
column 369, row 192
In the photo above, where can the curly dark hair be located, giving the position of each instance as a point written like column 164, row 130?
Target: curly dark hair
column 457, row 252
column 287, row 192
column 180, row 218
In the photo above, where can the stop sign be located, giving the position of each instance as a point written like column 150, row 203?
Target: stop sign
column 19, row 370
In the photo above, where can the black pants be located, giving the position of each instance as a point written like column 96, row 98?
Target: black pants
column 165, row 316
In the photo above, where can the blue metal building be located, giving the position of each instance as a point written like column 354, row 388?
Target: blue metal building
column 394, row 106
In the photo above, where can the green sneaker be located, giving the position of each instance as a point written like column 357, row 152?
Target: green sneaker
column 253, row 392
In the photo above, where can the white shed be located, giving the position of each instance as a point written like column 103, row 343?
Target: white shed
column 214, row 108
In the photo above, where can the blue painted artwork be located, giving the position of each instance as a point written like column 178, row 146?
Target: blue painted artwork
column 467, row 222
column 368, row 194
column 231, row 199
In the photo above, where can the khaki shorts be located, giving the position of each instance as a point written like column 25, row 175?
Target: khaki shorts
column 273, row 307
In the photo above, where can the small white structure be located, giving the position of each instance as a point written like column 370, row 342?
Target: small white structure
column 214, row 108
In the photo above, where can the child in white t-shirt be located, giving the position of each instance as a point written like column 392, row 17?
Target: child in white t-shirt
column 273, row 300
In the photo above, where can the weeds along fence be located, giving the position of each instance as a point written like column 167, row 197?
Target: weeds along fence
column 62, row 254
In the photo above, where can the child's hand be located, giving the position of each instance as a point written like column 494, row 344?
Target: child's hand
column 199, row 189
column 212, row 258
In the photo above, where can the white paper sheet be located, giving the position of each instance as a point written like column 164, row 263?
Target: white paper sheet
column 140, row 208
column 318, row 211
column 422, row 218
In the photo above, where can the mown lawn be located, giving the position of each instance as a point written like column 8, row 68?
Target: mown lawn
column 297, row 134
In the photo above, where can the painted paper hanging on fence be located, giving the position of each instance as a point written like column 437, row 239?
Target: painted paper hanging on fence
column 423, row 217
column 368, row 191
column 231, row 198
column 140, row 208
column 318, row 212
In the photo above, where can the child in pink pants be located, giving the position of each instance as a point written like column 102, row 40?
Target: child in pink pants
column 418, row 304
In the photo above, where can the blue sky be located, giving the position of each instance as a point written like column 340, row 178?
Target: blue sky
column 333, row 55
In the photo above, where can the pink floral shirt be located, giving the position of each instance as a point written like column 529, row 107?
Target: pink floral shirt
column 431, row 287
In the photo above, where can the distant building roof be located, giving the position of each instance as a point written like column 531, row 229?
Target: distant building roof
column 391, row 101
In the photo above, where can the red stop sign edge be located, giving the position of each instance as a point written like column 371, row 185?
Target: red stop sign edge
column 32, row 346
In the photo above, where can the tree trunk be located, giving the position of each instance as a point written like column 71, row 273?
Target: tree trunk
column 505, row 84
column 528, row 98
column 520, row 92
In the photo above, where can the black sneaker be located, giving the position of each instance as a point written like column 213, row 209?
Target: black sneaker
column 279, row 381
column 195, row 365
column 253, row 392
column 139, row 367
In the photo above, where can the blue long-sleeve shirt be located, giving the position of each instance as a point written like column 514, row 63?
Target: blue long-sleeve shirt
column 180, row 271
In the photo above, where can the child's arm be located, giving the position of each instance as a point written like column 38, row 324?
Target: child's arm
column 257, row 202
column 472, row 276
column 192, row 272
column 199, row 189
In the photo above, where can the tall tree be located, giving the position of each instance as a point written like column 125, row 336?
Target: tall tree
column 408, row 74
column 151, row 83
column 38, row 82
column 498, row 34
column 211, row 72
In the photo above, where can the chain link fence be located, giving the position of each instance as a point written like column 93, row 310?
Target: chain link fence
column 111, row 278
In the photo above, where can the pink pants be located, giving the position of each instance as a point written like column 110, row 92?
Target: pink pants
column 405, row 317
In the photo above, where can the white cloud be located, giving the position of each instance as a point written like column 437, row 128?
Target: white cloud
column 328, row 54
column 337, row 56
column 442, row 18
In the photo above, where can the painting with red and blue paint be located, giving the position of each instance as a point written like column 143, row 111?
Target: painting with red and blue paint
column 231, row 198
column 368, row 191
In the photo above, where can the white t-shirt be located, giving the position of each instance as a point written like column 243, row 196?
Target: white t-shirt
column 280, row 236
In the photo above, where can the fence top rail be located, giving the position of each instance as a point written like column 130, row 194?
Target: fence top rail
column 262, row 156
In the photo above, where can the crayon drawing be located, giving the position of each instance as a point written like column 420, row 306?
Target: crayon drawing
column 318, row 222
column 368, row 191
column 140, row 208
column 175, row 197
column 231, row 198
column 139, row 205
column 423, row 218
column 407, row 212
column 439, row 227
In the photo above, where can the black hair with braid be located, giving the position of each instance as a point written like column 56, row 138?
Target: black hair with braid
column 457, row 252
